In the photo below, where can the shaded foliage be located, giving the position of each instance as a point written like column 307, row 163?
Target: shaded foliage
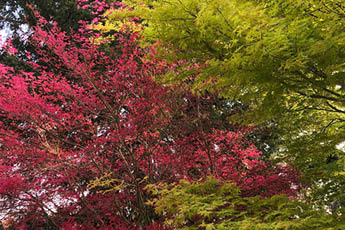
column 85, row 131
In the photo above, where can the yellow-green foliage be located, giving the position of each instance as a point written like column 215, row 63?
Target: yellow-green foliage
column 278, row 55
column 284, row 58
column 217, row 205
column 106, row 184
column 256, row 49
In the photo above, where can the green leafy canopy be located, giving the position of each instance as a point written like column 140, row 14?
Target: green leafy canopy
column 283, row 58
column 213, row 204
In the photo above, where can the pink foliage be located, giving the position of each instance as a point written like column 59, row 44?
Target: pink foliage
column 84, row 112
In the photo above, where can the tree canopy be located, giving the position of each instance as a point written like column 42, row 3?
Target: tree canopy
column 177, row 114
column 213, row 204
column 284, row 59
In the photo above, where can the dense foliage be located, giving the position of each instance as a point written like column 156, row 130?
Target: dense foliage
column 85, row 131
column 89, row 139
column 213, row 204
column 17, row 19
column 284, row 59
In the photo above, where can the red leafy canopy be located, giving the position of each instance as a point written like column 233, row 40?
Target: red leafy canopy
column 84, row 112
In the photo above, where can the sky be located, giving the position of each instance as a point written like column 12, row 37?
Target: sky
column 3, row 36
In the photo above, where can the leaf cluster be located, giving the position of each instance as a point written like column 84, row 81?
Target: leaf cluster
column 283, row 59
column 213, row 204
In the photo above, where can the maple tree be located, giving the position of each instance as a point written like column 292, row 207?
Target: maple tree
column 284, row 59
column 17, row 19
column 87, row 129
column 214, row 204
